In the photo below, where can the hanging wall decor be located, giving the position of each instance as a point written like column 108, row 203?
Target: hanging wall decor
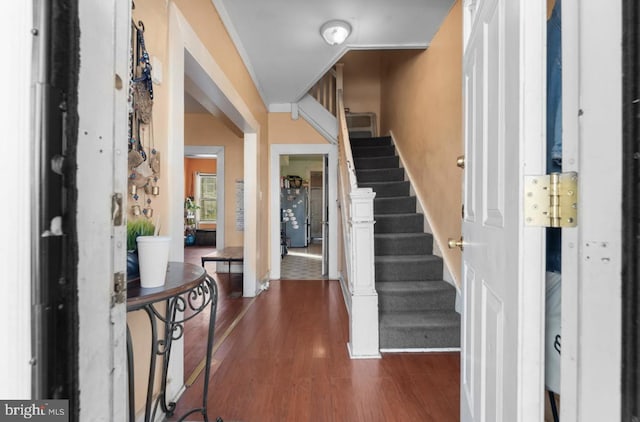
column 143, row 157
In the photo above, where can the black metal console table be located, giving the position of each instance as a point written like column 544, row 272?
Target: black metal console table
column 187, row 288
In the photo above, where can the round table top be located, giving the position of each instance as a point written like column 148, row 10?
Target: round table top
column 180, row 278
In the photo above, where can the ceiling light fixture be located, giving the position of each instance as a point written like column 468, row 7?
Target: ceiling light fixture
column 335, row 32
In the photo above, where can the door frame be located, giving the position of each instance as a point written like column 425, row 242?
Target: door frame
column 102, row 172
column 197, row 151
column 591, row 253
column 16, row 165
column 331, row 151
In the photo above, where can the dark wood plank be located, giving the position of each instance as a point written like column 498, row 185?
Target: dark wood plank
column 287, row 360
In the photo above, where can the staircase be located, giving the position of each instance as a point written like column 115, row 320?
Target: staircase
column 416, row 307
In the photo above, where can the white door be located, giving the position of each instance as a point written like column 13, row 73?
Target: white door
column 502, row 270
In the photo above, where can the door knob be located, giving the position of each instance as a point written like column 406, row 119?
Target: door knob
column 453, row 243
column 460, row 161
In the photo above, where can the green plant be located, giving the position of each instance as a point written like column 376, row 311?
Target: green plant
column 138, row 227
column 190, row 205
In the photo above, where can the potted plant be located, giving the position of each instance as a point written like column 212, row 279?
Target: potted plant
column 190, row 208
column 135, row 228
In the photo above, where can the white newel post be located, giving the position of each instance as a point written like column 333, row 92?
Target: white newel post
column 363, row 329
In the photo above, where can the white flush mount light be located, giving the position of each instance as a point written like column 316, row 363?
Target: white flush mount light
column 335, row 32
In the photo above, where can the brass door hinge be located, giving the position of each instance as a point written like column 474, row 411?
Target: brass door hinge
column 551, row 200
column 119, row 288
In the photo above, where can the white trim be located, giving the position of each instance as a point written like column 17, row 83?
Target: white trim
column 592, row 255
column 250, row 283
column 16, row 166
column 194, row 151
column 569, row 362
column 276, row 150
column 280, row 108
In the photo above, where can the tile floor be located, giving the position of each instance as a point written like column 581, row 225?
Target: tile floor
column 303, row 263
column 298, row 264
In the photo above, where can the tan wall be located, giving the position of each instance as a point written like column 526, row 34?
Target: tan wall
column 362, row 73
column 423, row 108
column 203, row 130
column 284, row 130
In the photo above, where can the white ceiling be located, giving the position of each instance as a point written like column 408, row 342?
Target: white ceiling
column 280, row 42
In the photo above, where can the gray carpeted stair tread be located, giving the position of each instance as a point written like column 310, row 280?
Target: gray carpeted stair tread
column 399, row 223
column 373, row 151
column 406, row 296
column 408, row 267
column 376, row 162
column 392, row 189
column 407, row 259
column 400, row 205
column 403, row 243
column 380, row 140
column 420, row 329
column 380, row 175
column 435, row 318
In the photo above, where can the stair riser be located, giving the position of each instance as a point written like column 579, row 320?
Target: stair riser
column 408, row 271
column 418, row 337
column 394, row 206
column 388, row 189
column 376, row 163
column 380, row 175
column 373, row 151
column 416, row 301
column 371, row 142
column 404, row 246
column 404, row 224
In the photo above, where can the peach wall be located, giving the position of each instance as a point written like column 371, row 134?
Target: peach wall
column 203, row 130
column 422, row 107
column 154, row 16
column 362, row 82
column 193, row 165
column 284, row 130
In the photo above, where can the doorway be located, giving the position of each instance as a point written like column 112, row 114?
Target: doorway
column 328, row 167
column 303, row 217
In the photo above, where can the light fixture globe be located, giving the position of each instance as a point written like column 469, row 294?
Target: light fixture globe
column 335, row 32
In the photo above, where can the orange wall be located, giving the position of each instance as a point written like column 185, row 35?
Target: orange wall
column 422, row 107
column 205, row 129
column 193, row 165
column 362, row 84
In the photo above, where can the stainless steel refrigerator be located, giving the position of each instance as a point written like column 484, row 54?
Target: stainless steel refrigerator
column 294, row 203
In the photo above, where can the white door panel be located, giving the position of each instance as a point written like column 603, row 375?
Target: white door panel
column 502, row 50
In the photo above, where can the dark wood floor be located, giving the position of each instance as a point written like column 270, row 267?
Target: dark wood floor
column 286, row 360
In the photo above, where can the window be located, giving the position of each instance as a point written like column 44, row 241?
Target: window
column 207, row 198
